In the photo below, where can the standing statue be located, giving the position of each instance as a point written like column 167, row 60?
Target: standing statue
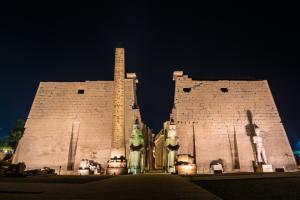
column 84, row 164
column 172, row 147
column 136, row 159
column 260, row 149
column 84, row 167
column 87, row 167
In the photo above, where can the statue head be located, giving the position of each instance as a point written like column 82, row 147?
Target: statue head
column 136, row 124
column 172, row 130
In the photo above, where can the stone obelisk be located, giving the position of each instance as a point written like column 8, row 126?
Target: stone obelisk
column 117, row 145
column 117, row 163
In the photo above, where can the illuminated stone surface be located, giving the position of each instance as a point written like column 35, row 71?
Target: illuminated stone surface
column 223, row 115
column 118, row 132
column 264, row 168
column 70, row 121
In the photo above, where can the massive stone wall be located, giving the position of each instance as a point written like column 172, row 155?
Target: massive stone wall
column 223, row 115
column 71, row 121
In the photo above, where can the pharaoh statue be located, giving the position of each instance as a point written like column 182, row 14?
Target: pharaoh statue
column 172, row 147
column 84, row 164
column 136, row 159
column 84, row 167
column 260, row 149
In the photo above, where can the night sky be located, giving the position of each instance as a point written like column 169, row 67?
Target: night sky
column 75, row 42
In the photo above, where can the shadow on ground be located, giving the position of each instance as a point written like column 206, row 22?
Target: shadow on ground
column 253, row 188
column 53, row 179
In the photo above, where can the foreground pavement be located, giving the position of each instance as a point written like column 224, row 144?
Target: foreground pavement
column 237, row 186
column 152, row 186
column 251, row 186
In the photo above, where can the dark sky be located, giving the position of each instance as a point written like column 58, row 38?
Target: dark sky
column 75, row 42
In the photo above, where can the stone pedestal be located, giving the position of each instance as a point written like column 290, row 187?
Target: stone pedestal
column 69, row 172
column 217, row 169
column 185, row 165
column 134, row 171
column 117, row 166
column 172, row 169
column 267, row 168
column 264, row 168
column 97, row 172
column 84, row 172
column 189, row 169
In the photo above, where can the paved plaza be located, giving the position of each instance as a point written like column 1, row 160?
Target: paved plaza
column 120, row 187
column 153, row 186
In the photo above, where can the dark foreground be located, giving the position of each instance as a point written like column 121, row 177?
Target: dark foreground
column 261, row 186
column 102, row 187
column 153, row 186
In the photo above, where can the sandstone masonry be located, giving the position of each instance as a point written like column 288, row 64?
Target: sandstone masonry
column 222, row 116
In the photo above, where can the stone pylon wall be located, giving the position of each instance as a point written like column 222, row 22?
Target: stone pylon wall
column 222, row 115
column 57, row 105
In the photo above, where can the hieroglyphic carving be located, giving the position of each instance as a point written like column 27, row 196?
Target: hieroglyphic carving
column 118, row 142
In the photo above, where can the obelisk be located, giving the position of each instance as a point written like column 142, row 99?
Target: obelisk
column 118, row 140
column 117, row 163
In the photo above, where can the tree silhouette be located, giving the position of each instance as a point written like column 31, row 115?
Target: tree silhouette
column 3, row 142
column 16, row 134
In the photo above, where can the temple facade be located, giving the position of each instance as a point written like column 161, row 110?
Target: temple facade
column 71, row 121
column 232, row 125
column 215, row 126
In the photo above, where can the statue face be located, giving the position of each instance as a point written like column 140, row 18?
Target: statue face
column 135, row 126
column 257, row 131
column 172, row 127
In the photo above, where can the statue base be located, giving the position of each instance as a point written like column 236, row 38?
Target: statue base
column 117, row 166
column 134, row 171
column 189, row 169
column 185, row 165
column 217, row 169
column 116, row 171
column 264, row 168
column 84, row 172
column 171, row 170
